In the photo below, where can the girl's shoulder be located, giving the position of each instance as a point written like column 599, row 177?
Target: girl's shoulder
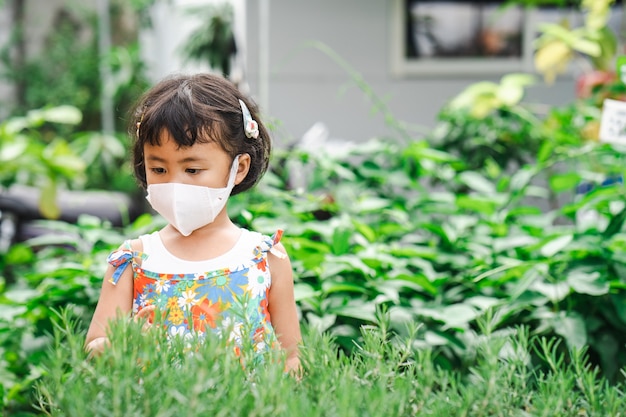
column 136, row 245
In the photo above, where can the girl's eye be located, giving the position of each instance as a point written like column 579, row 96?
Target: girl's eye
column 158, row 170
column 192, row 171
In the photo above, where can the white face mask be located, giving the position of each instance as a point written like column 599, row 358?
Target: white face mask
column 189, row 207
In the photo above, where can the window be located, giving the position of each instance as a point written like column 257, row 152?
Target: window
column 460, row 37
column 439, row 38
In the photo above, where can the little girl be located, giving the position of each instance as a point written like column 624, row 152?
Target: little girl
column 197, row 141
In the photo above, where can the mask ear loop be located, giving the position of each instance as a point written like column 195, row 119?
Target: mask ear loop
column 250, row 126
column 233, row 173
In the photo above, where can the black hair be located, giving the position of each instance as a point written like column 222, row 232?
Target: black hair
column 198, row 108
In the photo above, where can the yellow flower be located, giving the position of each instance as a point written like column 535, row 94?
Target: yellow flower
column 176, row 315
column 172, row 303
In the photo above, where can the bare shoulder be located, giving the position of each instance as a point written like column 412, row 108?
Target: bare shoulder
column 136, row 245
column 278, row 254
column 280, row 263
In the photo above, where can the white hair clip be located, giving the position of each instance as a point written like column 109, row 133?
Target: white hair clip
column 250, row 126
column 139, row 124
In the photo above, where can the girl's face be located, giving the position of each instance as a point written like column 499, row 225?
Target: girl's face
column 204, row 164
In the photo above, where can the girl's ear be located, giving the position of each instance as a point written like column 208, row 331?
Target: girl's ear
column 242, row 168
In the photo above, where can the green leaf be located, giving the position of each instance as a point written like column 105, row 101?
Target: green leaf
column 437, row 338
column 518, row 79
column 8, row 313
column 365, row 230
column 60, row 114
column 9, row 151
column 14, row 125
column 458, row 315
column 511, row 90
column 21, row 295
column 332, row 287
column 522, row 178
column 420, row 280
column 61, row 158
column 453, row 316
column 341, row 240
column 615, row 226
column 303, row 291
column 48, row 201
column 421, row 152
column 556, row 245
column 512, row 242
column 545, row 151
column 586, row 46
column 620, row 307
column 336, row 265
column 572, row 327
column 530, row 276
column 564, row 182
column 476, row 204
column 142, row 221
column 321, row 323
column 19, row 253
column 370, row 204
column 357, row 310
column 553, row 292
column 483, row 303
column 472, row 93
column 477, row 182
column 587, row 283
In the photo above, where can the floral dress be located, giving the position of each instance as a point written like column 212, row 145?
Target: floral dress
column 231, row 302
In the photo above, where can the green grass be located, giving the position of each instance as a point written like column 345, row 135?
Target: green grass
column 141, row 375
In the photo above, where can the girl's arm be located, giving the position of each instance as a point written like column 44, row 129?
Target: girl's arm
column 114, row 301
column 282, row 307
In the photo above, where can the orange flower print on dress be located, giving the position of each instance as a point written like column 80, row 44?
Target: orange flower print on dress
column 140, row 284
column 264, row 307
column 262, row 264
column 205, row 315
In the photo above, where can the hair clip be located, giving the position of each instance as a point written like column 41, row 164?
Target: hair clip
column 139, row 124
column 250, row 126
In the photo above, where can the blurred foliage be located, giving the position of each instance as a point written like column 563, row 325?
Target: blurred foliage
column 66, row 71
column 560, row 43
column 488, row 125
column 213, row 42
column 31, row 154
column 65, row 75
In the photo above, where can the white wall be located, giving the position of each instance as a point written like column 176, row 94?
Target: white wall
column 306, row 86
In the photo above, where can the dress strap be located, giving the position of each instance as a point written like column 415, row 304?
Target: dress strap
column 121, row 258
column 269, row 243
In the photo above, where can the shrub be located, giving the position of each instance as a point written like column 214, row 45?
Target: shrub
column 140, row 375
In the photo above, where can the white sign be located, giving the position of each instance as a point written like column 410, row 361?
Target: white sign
column 613, row 122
